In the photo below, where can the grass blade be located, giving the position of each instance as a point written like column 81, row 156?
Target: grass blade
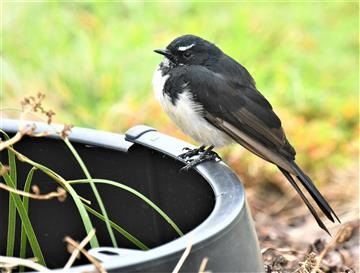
column 10, row 242
column 25, row 221
column 119, row 229
column 77, row 199
column 23, row 238
column 136, row 193
column 94, row 189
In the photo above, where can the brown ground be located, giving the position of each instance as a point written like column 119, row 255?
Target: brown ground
column 289, row 237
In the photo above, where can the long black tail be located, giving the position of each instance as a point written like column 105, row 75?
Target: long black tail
column 315, row 194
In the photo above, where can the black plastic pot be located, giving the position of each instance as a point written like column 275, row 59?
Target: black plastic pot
column 208, row 203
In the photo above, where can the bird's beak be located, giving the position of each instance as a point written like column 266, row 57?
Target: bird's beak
column 165, row 52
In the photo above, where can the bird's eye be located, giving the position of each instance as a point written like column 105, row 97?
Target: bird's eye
column 187, row 54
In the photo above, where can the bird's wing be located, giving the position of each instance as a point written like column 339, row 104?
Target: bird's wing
column 241, row 111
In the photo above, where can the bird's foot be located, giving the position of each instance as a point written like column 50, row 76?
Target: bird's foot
column 203, row 155
column 192, row 152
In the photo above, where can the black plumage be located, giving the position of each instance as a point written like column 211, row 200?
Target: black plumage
column 219, row 96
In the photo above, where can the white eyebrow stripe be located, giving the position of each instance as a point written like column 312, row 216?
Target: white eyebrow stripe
column 183, row 48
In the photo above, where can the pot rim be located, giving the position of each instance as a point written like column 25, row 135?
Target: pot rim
column 228, row 190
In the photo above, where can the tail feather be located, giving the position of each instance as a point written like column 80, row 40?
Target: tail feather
column 303, row 197
column 315, row 194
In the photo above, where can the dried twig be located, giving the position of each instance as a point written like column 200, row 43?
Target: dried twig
column 203, row 266
column 17, row 137
column 183, row 257
column 4, row 169
column 29, row 104
column 80, row 248
column 75, row 252
column 50, row 173
column 343, row 234
column 34, row 104
column 60, row 193
column 66, row 130
column 10, row 262
column 308, row 265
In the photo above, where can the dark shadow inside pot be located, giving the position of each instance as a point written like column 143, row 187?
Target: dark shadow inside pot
column 185, row 196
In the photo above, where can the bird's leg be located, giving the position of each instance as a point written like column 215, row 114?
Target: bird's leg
column 204, row 155
column 192, row 152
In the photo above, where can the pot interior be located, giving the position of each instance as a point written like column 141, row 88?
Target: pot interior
column 185, row 196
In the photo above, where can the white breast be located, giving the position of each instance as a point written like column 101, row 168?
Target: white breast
column 186, row 114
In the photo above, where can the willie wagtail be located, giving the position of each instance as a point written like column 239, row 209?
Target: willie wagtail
column 214, row 100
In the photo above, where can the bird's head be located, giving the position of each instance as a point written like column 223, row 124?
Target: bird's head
column 190, row 50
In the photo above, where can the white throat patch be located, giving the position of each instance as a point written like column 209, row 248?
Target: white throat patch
column 183, row 48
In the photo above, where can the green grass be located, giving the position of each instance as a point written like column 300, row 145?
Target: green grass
column 12, row 207
column 25, row 221
column 95, row 62
column 25, row 200
column 21, row 205
column 134, row 192
column 93, row 188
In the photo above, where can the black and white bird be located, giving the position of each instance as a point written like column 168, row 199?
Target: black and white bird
column 214, row 100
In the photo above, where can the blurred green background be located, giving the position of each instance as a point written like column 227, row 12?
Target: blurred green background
column 94, row 61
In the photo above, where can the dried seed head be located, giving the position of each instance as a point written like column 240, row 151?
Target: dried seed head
column 62, row 194
column 4, row 169
column 66, row 130
column 35, row 189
